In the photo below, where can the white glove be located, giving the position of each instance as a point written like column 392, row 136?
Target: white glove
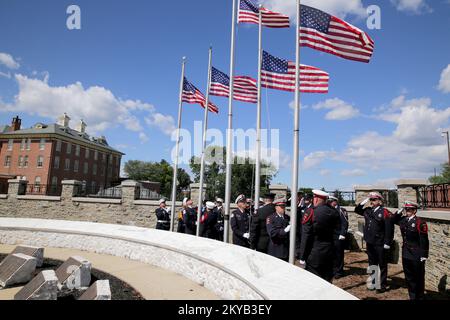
column 302, row 264
column 365, row 201
column 423, row 259
column 400, row 212
column 341, row 238
column 288, row 228
column 246, row 235
column 386, row 247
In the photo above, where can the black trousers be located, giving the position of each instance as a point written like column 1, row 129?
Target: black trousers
column 163, row 226
column 415, row 277
column 378, row 257
column 338, row 264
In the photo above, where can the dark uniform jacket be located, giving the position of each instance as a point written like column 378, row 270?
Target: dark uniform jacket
column 259, row 238
column 279, row 240
column 319, row 225
column 342, row 227
column 378, row 229
column 240, row 225
column 209, row 224
column 415, row 237
column 163, row 216
column 190, row 221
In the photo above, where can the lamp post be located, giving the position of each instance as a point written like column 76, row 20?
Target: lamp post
column 446, row 133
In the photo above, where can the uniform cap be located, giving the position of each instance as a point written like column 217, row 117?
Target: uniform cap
column 308, row 196
column 410, row 204
column 321, row 194
column 270, row 196
column 210, row 205
column 280, row 202
column 219, row 200
column 185, row 200
column 333, row 198
column 162, row 201
column 240, row 198
column 375, row 195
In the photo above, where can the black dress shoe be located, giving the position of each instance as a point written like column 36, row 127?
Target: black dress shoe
column 382, row 290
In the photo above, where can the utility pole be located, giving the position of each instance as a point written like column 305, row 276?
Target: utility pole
column 448, row 144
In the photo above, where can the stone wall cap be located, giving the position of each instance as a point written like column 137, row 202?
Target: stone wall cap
column 411, row 182
column 70, row 182
column 129, row 183
column 197, row 185
column 435, row 215
column 17, row 181
column 278, row 186
column 371, row 188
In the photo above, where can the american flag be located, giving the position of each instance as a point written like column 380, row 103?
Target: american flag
column 279, row 74
column 324, row 32
column 244, row 87
column 249, row 13
column 192, row 95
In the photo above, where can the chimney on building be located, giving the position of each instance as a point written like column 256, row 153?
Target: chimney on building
column 64, row 120
column 16, row 124
column 81, row 126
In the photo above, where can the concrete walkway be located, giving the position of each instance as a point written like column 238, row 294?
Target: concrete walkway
column 151, row 282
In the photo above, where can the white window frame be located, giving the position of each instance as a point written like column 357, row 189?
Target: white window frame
column 40, row 162
column 76, row 165
column 42, row 144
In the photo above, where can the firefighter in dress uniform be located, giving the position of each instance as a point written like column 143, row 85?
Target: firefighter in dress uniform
column 317, row 246
column 278, row 228
column 208, row 221
column 189, row 217
column 163, row 216
column 415, row 248
column 220, row 219
column 378, row 234
column 340, row 235
column 239, row 222
column 259, row 238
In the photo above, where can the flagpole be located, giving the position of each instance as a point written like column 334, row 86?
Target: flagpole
column 258, row 117
column 295, row 165
column 177, row 149
column 229, row 131
column 205, row 128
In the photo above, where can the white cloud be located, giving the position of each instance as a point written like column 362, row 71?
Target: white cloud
column 353, row 173
column 6, row 75
column 341, row 8
column 325, row 172
column 444, row 83
column 8, row 60
column 143, row 137
column 340, row 110
column 412, row 6
column 164, row 123
column 314, row 159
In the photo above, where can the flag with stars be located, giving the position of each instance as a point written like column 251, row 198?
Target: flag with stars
column 279, row 74
column 326, row 33
column 192, row 95
column 245, row 89
column 249, row 13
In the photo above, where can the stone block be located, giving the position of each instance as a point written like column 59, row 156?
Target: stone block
column 100, row 290
column 43, row 287
column 75, row 273
column 16, row 269
column 36, row 252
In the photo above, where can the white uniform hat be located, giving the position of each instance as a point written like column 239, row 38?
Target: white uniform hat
column 375, row 195
column 185, row 200
column 219, row 200
column 321, row 194
column 240, row 198
column 162, row 201
column 210, row 205
column 333, row 198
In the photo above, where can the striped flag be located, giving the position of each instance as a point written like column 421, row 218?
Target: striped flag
column 324, row 32
column 192, row 95
column 279, row 74
column 249, row 13
column 245, row 89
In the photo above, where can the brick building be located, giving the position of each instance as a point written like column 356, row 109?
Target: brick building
column 45, row 155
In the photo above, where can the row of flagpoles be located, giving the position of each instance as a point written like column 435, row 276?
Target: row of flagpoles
column 315, row 29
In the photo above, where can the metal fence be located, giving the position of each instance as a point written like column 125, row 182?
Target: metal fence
column 114, row 192
column 43, row 190
column 146, row 194
column 347, row 198
column 435, row 196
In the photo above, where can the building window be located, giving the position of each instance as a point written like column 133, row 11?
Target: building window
column 8, row 161
column 103, row 171
column 37, row 181
column 86, row 168
column 67, row 165
column 25, row 162
column 104, row 157
column 76, row 165
column 54, row 181
column 69, row 148
column 42, row 144
column 56, row 164
column 96, row 155
column 28, row 144
column 23, row 144
column 40, row 162
column 20, row 161
column 86, row 153
column 58, row 145
column 93, row 184
column 77, row 150
column 94, row 169
column 10, row 144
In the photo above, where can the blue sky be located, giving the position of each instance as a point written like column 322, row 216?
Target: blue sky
column 120, row 73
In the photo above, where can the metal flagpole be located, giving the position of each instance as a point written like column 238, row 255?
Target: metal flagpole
column 295, row 165
column 177, row 149
column 205, row 128
column 258, row 117
column 229, row 131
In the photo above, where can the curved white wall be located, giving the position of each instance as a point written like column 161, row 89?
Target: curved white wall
column 231, row 272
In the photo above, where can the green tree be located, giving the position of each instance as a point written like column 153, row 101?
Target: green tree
column 444, row 176
column 242, row 174
column 161, row 172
